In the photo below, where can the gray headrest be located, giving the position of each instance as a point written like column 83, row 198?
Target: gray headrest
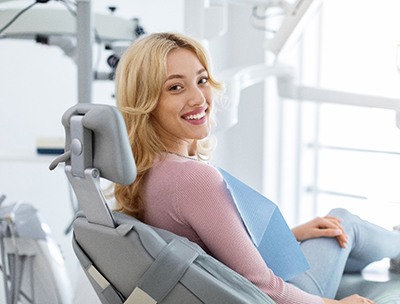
column 111, row 150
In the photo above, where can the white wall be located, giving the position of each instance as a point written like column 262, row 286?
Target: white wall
column 38, row 83
column 240, row 149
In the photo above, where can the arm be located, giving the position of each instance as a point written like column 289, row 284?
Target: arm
column 215, row 219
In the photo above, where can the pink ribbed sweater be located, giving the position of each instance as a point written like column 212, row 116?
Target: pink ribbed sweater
column 190, row 198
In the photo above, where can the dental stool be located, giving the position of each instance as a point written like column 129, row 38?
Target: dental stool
column 125, row 260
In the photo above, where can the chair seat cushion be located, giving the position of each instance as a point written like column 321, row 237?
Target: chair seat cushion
column 375, row 282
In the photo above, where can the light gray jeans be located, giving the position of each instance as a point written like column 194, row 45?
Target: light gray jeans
column 367, row 243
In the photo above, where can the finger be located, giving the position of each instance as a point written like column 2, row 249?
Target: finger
column 333, row 218
column 332, row 222
column 340, row 236
column 329, row 222
column 328, row 232
column 342, row 240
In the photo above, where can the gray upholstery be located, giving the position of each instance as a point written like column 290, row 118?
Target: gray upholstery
column 385, row 292
column 129, row 258
column 112, row 154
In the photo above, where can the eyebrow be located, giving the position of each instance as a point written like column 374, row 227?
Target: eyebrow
column 178, row 76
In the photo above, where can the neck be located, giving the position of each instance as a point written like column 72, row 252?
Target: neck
column 187, row 149
column 194, row 157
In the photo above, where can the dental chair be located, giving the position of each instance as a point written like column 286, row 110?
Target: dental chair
column 127, row 261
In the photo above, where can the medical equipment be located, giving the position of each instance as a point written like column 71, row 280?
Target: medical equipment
column 238, row 79
column 294, row 15
column 141, row 264
column 75, row 31
column 208, row 19
column 32, row 264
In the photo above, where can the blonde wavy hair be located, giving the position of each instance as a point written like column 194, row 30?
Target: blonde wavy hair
column 140, row 76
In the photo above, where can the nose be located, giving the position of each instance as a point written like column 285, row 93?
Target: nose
column 196, row 97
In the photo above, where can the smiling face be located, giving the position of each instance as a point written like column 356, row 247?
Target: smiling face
column 182, row 115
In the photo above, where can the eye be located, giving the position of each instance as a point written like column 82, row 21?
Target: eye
column 203, row 80
column 175, row 88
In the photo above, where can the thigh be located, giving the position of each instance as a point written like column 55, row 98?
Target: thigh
column 327, row 262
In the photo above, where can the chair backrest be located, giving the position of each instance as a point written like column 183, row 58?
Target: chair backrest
column 126, row 260
column 96, row 145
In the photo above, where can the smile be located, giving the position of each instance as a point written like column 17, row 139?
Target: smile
column 197, row 116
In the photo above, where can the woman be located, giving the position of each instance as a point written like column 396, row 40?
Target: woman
column 164, row 89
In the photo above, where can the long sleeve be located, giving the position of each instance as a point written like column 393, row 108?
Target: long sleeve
column 190, row 199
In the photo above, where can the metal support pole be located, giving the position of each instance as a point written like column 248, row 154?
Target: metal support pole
column 84, row 39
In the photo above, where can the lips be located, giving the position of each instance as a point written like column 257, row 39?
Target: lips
column 197, row 116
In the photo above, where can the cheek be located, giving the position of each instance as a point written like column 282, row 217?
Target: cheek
column 163, row 108
column 208, row 94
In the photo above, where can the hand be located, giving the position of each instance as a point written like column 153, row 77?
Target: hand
column 327, row 226
column 354, row 299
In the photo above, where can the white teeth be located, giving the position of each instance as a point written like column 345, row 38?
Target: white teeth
column 196, row 116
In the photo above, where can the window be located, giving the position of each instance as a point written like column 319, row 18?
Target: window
column 330, row 155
